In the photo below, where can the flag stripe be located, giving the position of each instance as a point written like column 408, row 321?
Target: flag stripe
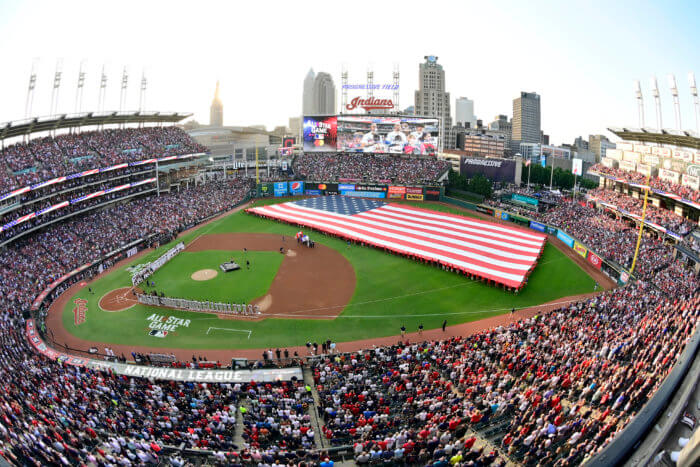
column 500, row 253
column 419, row 239
column 509, row 279
column 453, row 232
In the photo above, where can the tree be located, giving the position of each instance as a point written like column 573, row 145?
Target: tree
column 481, row 185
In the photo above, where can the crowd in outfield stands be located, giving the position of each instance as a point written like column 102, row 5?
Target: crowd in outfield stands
column 655, row 182
column 549, row 390
column 664, row 217
column 369, row 168
column 46, row 158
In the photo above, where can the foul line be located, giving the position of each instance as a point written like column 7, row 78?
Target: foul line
column 229, row 329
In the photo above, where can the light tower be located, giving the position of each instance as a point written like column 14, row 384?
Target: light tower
column 142, row 94
column 370, row 83
column 79, row 90
column 103, row 91
column 696, row 101
column 122, row 92
column 30, row 91
column 343, row 88
column 657, row 100
column 56, row 87
column 676, row 102
column 640, row 102
column 396, row 88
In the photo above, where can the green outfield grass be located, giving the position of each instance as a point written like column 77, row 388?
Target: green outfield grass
column 174, row 279
column 391, row 291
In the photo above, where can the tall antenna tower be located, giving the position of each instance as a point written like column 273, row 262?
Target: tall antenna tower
column 676, row 101
column 640, row 102
column 696, row 101
column 79, row 90
column 395, row 100
column 657, row 100
column 30, row 91
column 56, row 87
column 343, row 88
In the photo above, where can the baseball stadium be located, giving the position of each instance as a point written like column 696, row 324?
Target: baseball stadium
column 369, row 286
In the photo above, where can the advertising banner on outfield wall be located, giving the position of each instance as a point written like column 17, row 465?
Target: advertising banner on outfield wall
column 414, row 197
column 346, row 187
column 537, row 226
column 281, row 189
column 594, row 260
column 380, row 188
column 485, row 210
column 397, row 190
column 296, row 188
column 551, row 230
column 565, row 238
column 432, row 193
column 505, row 216
column 500, row 170
column 364, row 194
column 414, row 190
column 312, row 192
column 395, row 195
column 580, row 249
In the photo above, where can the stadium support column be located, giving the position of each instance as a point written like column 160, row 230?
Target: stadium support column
column 640, row 103
column 696, row 101
column 657, row 100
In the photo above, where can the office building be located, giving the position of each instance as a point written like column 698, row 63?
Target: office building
column 308, row 97
column 323, row 94
column 431, row 99
column 216, row 111
column 501, row 123
column 599, row 144
column 464, row 112
column 526, row 120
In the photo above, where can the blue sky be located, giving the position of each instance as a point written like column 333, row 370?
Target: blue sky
column 582, row 57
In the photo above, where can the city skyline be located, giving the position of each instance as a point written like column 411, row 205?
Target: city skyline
column 583, row 68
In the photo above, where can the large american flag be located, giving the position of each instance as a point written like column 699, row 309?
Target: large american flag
column 503, row 254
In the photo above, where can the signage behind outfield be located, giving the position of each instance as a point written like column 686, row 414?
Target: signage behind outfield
column 499, row 170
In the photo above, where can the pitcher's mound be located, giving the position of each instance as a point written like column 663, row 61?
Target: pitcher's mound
column 291, row 253
column 204, row 274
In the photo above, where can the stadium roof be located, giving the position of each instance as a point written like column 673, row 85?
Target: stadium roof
column 686, row 139
column 56, row 122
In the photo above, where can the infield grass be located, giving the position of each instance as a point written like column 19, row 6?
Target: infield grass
column 391, row 291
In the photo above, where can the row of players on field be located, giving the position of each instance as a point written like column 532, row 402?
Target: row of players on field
column 399, row 140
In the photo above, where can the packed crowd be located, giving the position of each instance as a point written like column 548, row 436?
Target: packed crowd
column 369, row 168
column 663, row 217
column 655, row 182
column 34, row 262
column 551, row 390
column 47, row 158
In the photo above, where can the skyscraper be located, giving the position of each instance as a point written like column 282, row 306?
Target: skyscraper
column 526, row 120
column 323, row 94
column 599, row 144
column 431, row 98
column 216, row 111
column 464, row 112
column 308, row 98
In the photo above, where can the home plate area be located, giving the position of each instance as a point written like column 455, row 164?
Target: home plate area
column 230, row 330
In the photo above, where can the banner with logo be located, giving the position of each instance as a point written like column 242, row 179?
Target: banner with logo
column 414, row 197
column 380, row 188
column 505, row 216
column 565, row 238
column 485, row 210
column 312, row 192
column 432, row 193
column 399, row 190
column 414, row 190
column 525, row 199
column 594, row 260
column 537, row 226
column 580, row 249
column 320, row 133
column 624, row 278
column 551, row 230
column 497, row 213
column 296, row 188
column 364, row 194
column 280, row 188
column 499, row 170
column 346, row 187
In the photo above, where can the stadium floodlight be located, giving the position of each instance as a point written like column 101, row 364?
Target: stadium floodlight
column 676, row 102
column 696, row 101
column 657, row 100
column 640, row 102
